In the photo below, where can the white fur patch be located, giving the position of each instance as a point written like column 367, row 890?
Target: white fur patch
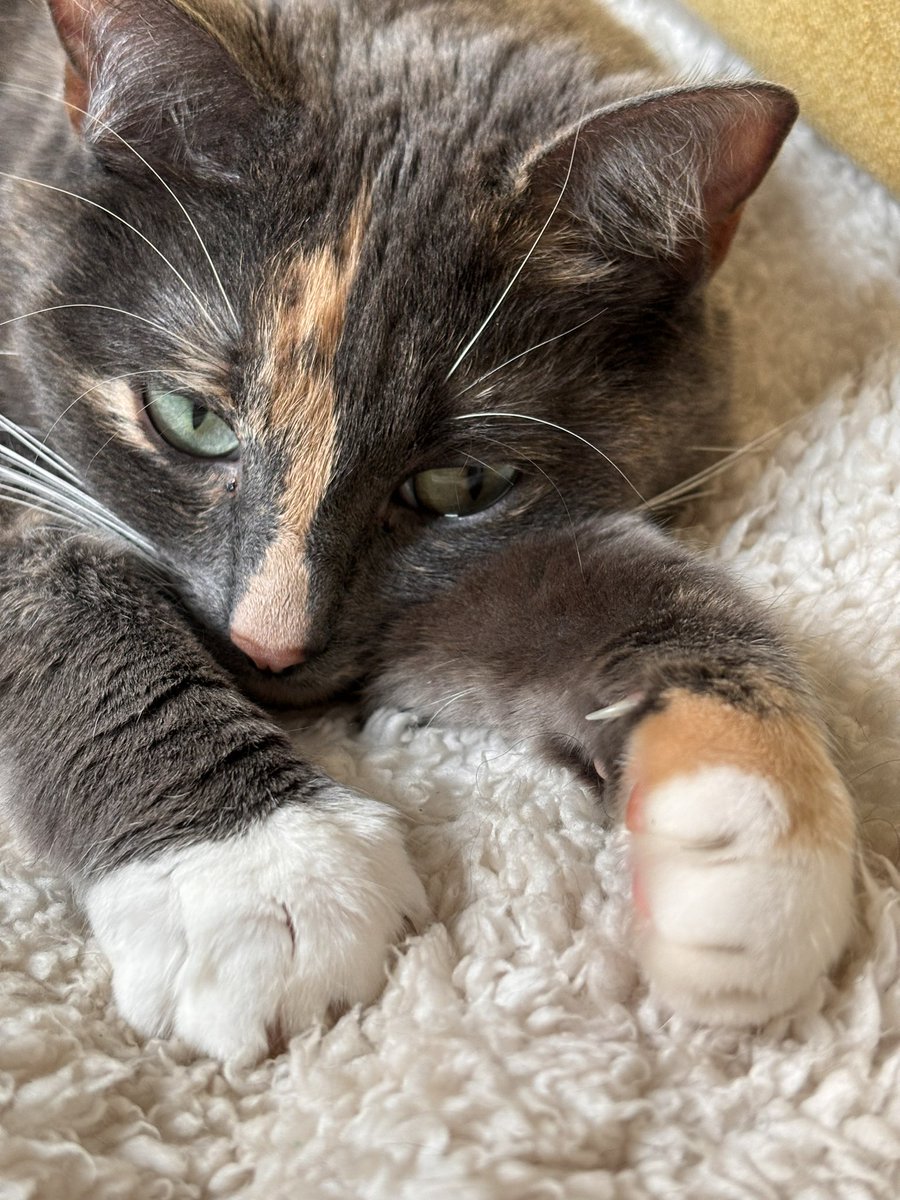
column 739, row 919
column 225, row 942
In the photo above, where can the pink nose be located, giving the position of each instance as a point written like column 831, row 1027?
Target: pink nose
column 268, row 658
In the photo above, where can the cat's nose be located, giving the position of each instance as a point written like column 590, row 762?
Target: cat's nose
column 268, row 658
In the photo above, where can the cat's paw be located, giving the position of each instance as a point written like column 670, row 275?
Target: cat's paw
column 234, row 945
column 742, row 858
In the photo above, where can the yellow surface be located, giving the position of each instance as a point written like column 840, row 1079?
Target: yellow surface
column 841, row 57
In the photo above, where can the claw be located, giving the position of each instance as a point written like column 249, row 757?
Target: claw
column 619, row 709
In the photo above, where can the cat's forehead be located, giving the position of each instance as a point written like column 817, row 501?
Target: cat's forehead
column 300, row 322
column 366, row 286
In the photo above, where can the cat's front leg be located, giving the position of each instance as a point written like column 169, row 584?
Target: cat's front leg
column 238, row 893
column 635, row 656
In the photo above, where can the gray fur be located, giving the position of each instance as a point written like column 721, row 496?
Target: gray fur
column 494, row 150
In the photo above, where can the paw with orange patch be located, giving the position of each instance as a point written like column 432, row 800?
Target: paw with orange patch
column 743, row 858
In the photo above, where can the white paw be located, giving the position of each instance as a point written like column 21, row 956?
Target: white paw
column 740, row 910
column 227, row 944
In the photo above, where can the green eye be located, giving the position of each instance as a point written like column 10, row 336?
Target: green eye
column 188, row 426
column 458, row 491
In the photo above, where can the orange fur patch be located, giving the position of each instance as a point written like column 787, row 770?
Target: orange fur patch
column 273, row 608
column 785, row 747
column 302, row 337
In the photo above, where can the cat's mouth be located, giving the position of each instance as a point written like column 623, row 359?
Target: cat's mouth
column 311, row 683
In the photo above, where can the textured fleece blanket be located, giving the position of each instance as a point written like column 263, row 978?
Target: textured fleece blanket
column 515, row 1054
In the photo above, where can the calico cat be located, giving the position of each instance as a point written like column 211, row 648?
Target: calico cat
column 344, row 343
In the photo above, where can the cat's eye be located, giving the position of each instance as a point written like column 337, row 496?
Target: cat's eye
column 458, row 491
column 189, row 426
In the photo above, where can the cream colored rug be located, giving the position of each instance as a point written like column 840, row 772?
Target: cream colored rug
column 514, row 1054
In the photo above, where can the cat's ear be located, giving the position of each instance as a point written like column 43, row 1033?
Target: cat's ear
column 155, row 75
column 663, row 177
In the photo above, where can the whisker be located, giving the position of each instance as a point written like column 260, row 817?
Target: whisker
column 63, row 495
column 112, row 437
column 25, row 496
column 109, row 308
column 562, row 429
column 37, row 447
column 686, row 486
column 530, row 350
column 20, row 87
column 10, row 496
column 21, row 479
column 521, row 267
column 100, row 383
column 555, row 487
column 109, row 212
column 446, row 704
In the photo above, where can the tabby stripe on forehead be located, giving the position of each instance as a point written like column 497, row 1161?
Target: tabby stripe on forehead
column 305, row 332
column 302, row 333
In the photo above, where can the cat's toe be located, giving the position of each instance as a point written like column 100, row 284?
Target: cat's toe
column 237, row 944
column 742, row 873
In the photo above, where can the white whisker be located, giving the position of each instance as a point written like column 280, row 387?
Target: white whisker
column 555, row 486
column 37, row 447
column 87, row 391
column 143, row 408
column 33, row 498
column 109, row 308
column 109, row 212
column 521, row 267
column 109, row 129
column 562, row 429
column 63, row 496
column 22, row 496
column 11, row 496
column 688, row 486
column 26, row 482
column 530, row 350
column 446, row 704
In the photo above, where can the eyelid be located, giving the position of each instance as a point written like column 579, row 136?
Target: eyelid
column 165, row 383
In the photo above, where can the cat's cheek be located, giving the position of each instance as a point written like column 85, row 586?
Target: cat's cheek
column 237, row 944
column 739, row 906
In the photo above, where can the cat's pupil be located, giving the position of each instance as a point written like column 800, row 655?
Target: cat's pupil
column 474, row 483
column 198, row 415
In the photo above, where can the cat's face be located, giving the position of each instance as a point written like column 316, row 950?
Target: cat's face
column 376, row 300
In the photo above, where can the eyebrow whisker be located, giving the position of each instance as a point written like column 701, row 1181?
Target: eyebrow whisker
column 463, row 354
column 538, row 346
column 128, row 146
column 128, row 225
column 472, row 416
column 109, row 308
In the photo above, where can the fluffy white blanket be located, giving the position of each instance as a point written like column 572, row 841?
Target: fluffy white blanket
column 515, row 1054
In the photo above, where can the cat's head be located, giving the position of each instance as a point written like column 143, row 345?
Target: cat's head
column 357, row 292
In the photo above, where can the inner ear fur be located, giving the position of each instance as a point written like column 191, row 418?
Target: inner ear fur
column 663, row 176
column 158, row 74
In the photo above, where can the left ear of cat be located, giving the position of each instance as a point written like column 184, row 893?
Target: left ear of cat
column 158, row 76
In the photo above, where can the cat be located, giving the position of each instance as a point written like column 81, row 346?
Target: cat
column 346, row 343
